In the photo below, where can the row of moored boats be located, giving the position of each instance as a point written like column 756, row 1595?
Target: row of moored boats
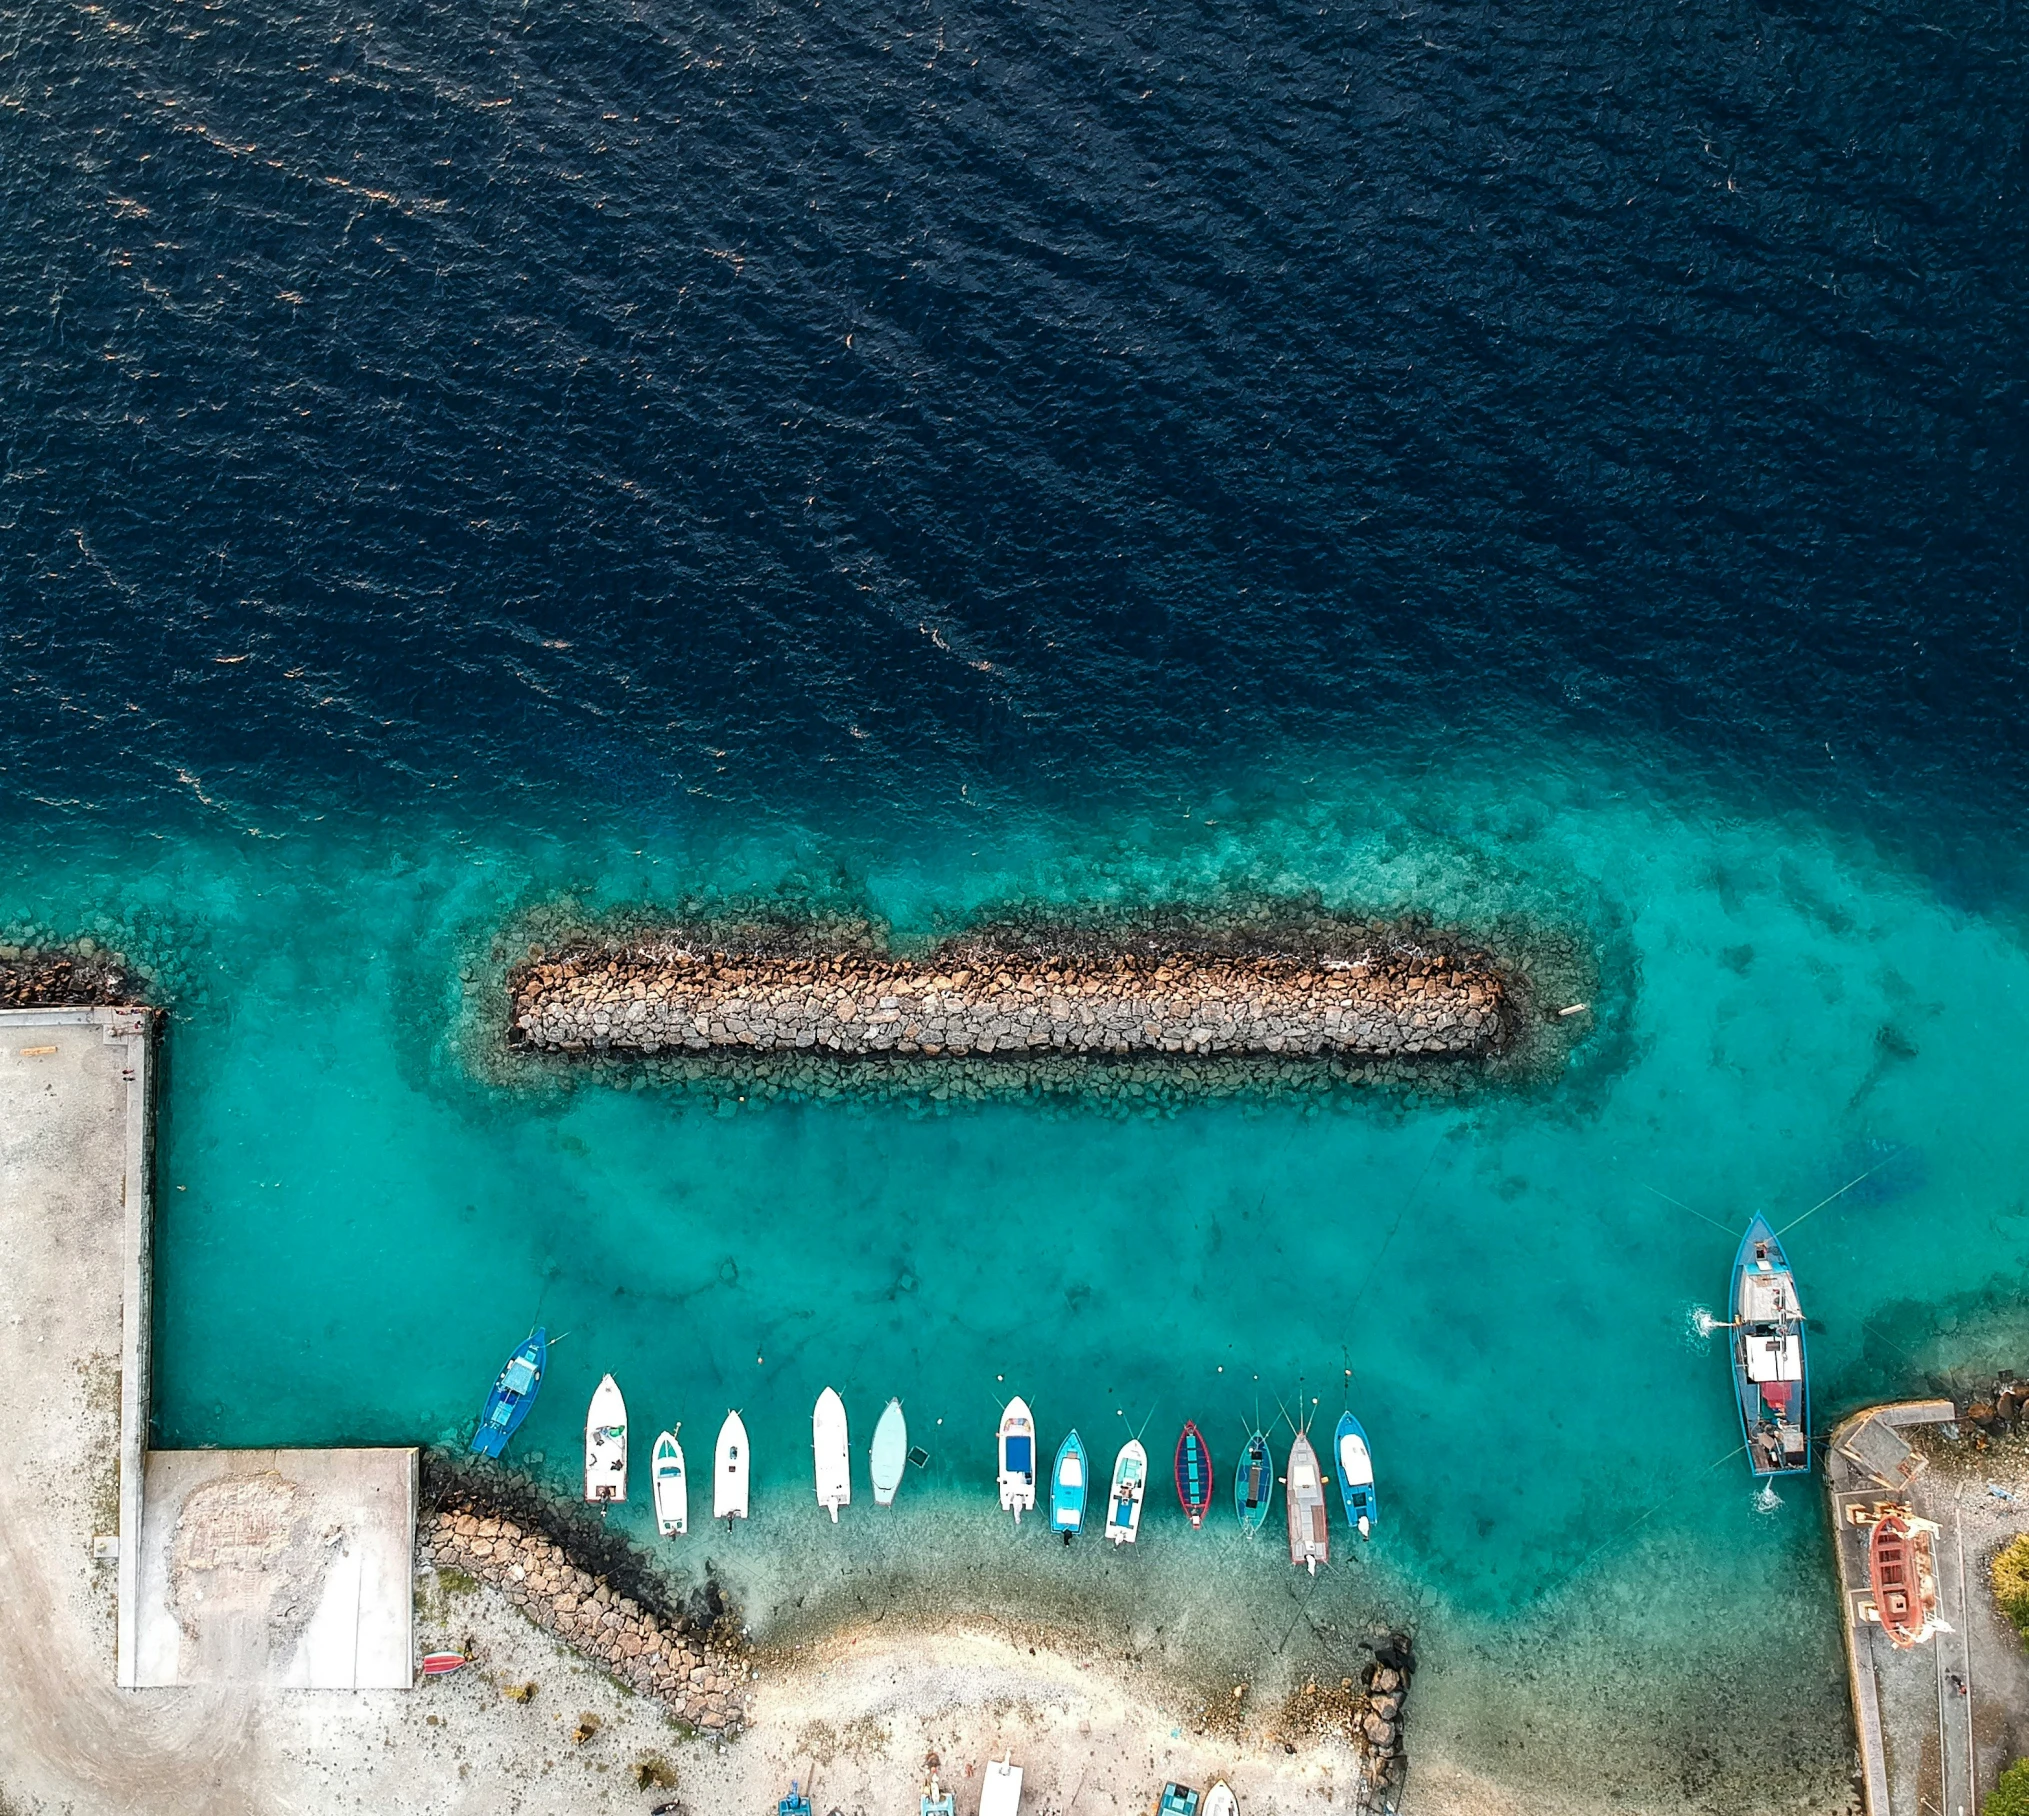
column 1067, row 1491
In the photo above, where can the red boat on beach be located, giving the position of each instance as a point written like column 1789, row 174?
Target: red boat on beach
column 1194, row 1473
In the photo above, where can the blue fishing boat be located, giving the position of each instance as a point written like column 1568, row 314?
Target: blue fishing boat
column 513, row 1394
column 1178, row 1800
column 1356, row 1475
column 795, row 1804
column 937, row 1801
column 1768, row 1356
column 1068, row 1483
column 1254, row 1483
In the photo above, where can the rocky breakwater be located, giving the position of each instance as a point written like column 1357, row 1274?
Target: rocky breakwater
column 972, row 1000
column 668, row 1657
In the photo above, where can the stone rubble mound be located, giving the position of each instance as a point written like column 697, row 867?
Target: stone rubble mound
column 666, row 1659
column 972, row 1002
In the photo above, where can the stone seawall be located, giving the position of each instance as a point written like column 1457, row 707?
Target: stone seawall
column 667, row 1658
column 972, row 1000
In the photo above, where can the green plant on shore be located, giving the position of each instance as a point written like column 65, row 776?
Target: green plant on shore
column 2010, row 1795
column 2010, row 1575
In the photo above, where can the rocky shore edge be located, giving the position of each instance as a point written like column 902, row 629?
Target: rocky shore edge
column 1367, row 995
column 1368, row 1713
column 599, row 1602
column 34, row 977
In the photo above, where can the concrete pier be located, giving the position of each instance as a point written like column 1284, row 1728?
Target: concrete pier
column 1914, row 1722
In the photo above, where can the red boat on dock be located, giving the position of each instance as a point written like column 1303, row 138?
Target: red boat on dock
column 1194, row 1473
column 1900, row 1572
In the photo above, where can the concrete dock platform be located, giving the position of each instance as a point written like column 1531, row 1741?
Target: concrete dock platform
column 288, row 1568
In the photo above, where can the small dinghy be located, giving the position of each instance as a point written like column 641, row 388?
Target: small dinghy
column 672, row 1489
column 1123, row 1500
column 1254, row 1483
column 513, row 1393
column 1017, row 1458
column 1068, row 1482
column 729, row 1471
column 1177, row 1800
column 831, row 1449
column 1310, row 1541
column 606, row 1444
column 1356, row 1476
column 1768, row 1356
column 442, row 1664
column 1000, row 1790
column 1220, row 1801
column 937, row 1802
column 1194, row 1474
column 795, row 1804
column 890, row 1454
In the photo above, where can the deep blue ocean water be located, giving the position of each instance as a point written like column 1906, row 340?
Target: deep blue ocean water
column 1499, row 462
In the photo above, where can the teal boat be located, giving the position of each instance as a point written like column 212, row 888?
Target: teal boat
column 795, row 1804
column 1178, row 1800
column 1254, row 1483
column 1068, row 1483
column 936, row 1802
column 1356, row 1476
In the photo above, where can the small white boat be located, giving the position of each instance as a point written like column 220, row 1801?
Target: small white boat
column 1123, row 1501
column 1017, row 1458
column 1000, row 1790
column 1220, row 1801
column 831, row 1448
column 729, row 1471
column 890, row 1454
column 672, row 1487
column 606, row 1444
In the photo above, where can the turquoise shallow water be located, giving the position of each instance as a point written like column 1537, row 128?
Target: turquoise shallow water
column 358, row 1218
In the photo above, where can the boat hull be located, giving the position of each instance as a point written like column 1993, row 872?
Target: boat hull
column 890, row 1454
column 671, row 1487
column 1355, row 1459
column 1070, row 1483
column 512, row 1395
column 1254, row 1482
column 1771, row 1376
column 1016, row 1451
column 1194, row 1474
column 831, row 1452
column 730, row 1468
column 1125, row 1496
column 606, row 1444
column 1310, row 1542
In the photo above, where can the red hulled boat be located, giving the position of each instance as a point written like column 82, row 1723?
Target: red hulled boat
column 1194, row 1473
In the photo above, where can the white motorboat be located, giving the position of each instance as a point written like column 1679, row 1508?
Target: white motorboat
column 1123, row 1500
column 1220, row 1801
column 831, row 1449
column 672, row 1487
column 606, row 1444
column 1017, row 1458
column 729, row 1471
column 890, row 1454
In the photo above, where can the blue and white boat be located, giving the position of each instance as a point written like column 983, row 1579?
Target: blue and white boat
column 1356, row 1475
column 513, row 1394
column 1768, row 1356
column 1069, row 1482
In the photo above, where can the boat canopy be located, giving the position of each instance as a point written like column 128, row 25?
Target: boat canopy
column 1071, row 1472
column 1356, row 1463
column 1777, row 1358
column 519, row 1376
column 1020, row 1455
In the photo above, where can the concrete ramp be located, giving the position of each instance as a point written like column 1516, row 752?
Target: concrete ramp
column 289, row 1569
